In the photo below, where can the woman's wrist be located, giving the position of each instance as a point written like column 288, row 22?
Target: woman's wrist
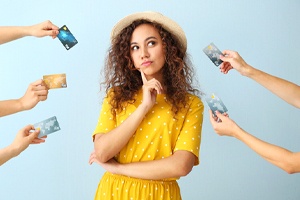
column 144, row 108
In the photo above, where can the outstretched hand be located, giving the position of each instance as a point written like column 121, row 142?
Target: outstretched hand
column 25, row 137
column 232, row 60
column 36, row 92
column 222, row 124
column 45, row 28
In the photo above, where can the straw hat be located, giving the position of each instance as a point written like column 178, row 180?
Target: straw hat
column 151, row 16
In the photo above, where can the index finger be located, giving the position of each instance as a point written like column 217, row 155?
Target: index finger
column 38, row 82
column 28, row 128
column 221, row 116
column 50, row 25
column 143, row 77
column 210, row 113
column 227, row 52
column 54, row 27
column 211, row 116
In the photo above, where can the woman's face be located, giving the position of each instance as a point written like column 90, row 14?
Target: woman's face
column 147, row 51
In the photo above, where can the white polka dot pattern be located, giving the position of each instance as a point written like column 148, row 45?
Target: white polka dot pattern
column 158, row 131
column 158, row 136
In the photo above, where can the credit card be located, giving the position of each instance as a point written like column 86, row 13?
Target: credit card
column 66, row 37
column 55, row 81
column 213, row 53
column 216, row 104
column 47, row 126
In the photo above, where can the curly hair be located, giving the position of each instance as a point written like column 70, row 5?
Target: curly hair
column 122, row 80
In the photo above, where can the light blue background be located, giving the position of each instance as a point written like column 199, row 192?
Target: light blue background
column 266, row 33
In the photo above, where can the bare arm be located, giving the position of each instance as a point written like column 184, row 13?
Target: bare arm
column 23, row 139
column 282, row 158
column 10, row 33
column 284, row 89
column 8, row 107
column 177, row 165
column 36, row 92
column 109, row 144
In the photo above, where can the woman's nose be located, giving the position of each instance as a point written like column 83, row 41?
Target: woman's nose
column 144, row 53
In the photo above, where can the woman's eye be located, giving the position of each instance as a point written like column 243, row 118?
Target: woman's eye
column 134, row 48
column 151, row 43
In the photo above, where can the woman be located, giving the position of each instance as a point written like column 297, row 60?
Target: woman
column 149, row 130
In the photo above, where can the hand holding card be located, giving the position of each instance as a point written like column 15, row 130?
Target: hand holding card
column 47, row 126
column 55, row 81
column 213, row 53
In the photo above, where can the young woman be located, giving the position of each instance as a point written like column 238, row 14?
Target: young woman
column 149, row 130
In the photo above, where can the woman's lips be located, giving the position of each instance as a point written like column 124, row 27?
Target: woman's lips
column 146, row 64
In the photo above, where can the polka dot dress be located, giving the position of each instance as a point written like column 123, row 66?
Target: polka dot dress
column 158, row 136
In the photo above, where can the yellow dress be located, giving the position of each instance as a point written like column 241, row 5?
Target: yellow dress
column 158, row 136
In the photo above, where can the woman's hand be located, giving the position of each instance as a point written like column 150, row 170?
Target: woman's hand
column 150, row 90
column 110, row 166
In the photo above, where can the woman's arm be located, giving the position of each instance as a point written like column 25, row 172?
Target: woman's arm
column 282, row 158
column 10, row 33
column 177, row 165
column 284, row 89
column 109, row 144
column 36, row 92
column 22, row 140
column 285, row 159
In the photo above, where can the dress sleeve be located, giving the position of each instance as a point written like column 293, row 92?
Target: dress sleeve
column 190, row 135
column 106, row 121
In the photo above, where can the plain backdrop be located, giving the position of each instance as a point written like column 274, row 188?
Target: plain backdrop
column 266, row 34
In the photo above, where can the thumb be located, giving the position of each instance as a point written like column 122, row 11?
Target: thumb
column 51, row 33
column 224, row 58
column 33, row 135
column 227, row 55
column 38, row 82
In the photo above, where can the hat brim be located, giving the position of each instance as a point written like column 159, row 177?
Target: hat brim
column 167, row 23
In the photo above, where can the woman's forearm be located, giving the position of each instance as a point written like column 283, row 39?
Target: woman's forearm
column 109, row 144
column 284, row 89
column 278, row 156
column 10, row 33
column 8, row 107
column 175, row 166
column 6, row 154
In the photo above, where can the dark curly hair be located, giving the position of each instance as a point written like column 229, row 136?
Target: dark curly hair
column 122, row 80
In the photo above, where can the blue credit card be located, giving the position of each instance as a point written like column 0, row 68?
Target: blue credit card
column 47, row 126
column 66, row 37
column 213, row 53
column 216, row 104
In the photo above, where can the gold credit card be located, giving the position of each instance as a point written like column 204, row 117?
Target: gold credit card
column 55, row 81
